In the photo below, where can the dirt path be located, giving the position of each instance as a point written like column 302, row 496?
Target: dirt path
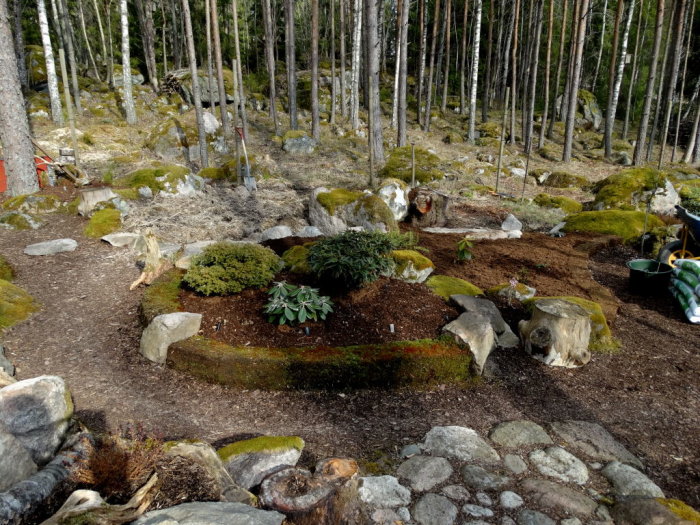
column 647, row 395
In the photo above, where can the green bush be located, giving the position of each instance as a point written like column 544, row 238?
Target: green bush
column 225, row 269
column 296, row 304
column 353, row 259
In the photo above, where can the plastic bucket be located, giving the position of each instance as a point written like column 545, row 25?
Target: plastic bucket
column 648, row 275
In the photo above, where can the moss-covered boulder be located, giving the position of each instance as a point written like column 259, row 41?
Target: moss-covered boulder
column 562, row 179
column 334, row 211
column 32, row 204
column 689, row 192
column 103, row 222
column 177, row 138
column 629, row 225
column 182, row 80
column 554, row 201
column 445, row 286
column 136, row 77
column 489, row 129
column 16, row 220
column 601, row 339
column 588, row 105
column 399, row 164
column 170, row 178
column 36, row 64
column 411, row 266
column 15, row 304
column 550, row 152
column 513, row 291
column 632, row 188
column 296, row 259
column 6, row 271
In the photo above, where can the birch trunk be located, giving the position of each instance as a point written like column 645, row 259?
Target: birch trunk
column 343, row 92
column 110, row 61
column 291, row 63
column 315, row 121
column 334, row 94
column 403, row 72
column 576, row 80
column 239, row 69
column 486, row 97
column 397, row 65
column 126, row 66
column 693, row 140
column 557, row 76
column 633, row 75
column 102, row 36
column 210, row 68
column 463, row 64
column 433, row 44
column 221, row 88
column 612, row 103
column 688, row 25
column 570, row 59
column 199, row 113
column 270, row 57
column 54, row 96
column 661, row 87
column 600, row 46
column 644, row 122
column 532, row 87
column 475, row 73
column 548, row 62
column 373, row 64
column 355, row 72
column 18, row 150
column 446, row 78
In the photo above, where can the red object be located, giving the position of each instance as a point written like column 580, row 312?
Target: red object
column 40, row 167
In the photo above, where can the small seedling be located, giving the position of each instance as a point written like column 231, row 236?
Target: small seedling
column 290, row 304
column 464, row 250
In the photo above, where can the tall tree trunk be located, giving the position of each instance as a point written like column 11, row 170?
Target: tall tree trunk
column 557, row 76
column 343, row 92
column 144, row 10
column 661, row 88
column 355, row 73
column 514, row 71
column 423, row 44
column 18, row 150
column 196, row 95
column 693, row 139
column 177, row 39
column 54, row 96
column 446, row 80
column 374, row 108
column 19, row 43
column 651, row 80
column 633, row 75
column 475, row 72
column 433, row 44
column 163, row 34
column 210, row 65
column 403, row 73
column 291, row 63
column 315, row 123
column 67, row 30
column 334, row 93
column 601, row 45
column 570, row 59
column 440, row 55
column 395, row 98
column 532, row 78
column 690, row 12
column 102, row 39
column 617, row 82
column 239, row 69
column 548, row 62
column 486, row 96
column 463, row 64
column 576, row 80
column 110, row 60
column 220, row 86
column 87, row 42
column 675, row 66
column 126, row 66
column 270, row 57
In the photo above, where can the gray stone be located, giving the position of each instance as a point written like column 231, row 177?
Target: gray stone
column 517, row 172
column 5, row 364
column 571, row 521
column 533, row 517
column 477, row 511
column 603, row 513
column 309, row 231
column 514, row 463
column 211, row 513
column 276, row 232
column 385, row 516
column 474, row 331
column 456, row 492
column 410, row 451
column 249, row 461
column 394, row 195
column 557, row 497
column 16, row 463
column 433, row 509
column 507, row 520
column 593, row 441
column 640, row 511
column 383, row 492
column 133, row 241
column 510, row 500
column 367, row 211
column 511, row 223
column 404, row 514
column 590, row 109
column 628, row 481
column 424, row 472
column 300, row 145
column 624, row 159
column 169, row 250
column 89, row 199
column 476, row 522
column 505, row 338
column 211, row 123
column 665, row 201
column 145, row 192
column 459, row 443
column 51, row 247
column 17, row 220
column 477, row 477
column 518, row 433
column 483, row 499
column 37, row 413
column 560, row 464
column 166, row 329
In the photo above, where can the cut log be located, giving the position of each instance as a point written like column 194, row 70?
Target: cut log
column 427, row 207
column 558, row 333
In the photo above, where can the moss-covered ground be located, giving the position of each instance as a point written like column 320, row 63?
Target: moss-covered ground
column 15, row 304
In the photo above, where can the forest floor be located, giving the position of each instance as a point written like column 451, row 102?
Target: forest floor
column 647, row 394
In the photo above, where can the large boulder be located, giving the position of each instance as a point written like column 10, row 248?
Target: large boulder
column 394, row 193
column 16, row 463
column 166, row 329
column 334, row 211
column 461, row 443
column 505, row 337
column 475, row 332
column 177, row 139
column 51, row 247
column 633, row 188
column 136, row 77
column 211, row 513
column 411, row 266
column 298, row 143
column 37, row 413
column 590, row 108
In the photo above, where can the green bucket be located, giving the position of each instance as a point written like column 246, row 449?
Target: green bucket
column 648, row 275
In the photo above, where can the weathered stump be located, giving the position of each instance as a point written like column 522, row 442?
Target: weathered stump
column 558, row 333
column 427, row 207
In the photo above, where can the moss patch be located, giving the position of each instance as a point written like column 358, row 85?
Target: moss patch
column 169, row 176
column 376, row 211
column 32, row 203
column 6, row 271
column 15, row 304
column 403, row 258
column 625, row 190
column 398, row 165
column 103, row 222
column 16, row 220
column 601, row 337
column 551, row 201
column 296, row 260
column 562, row 179
column 215, row 173
column 445, row 286
column 162, row 296
column 489, row 129
column 626, row 224
column 336, row 198
column 681, row 510
column 260, row 444
column 549, row 152
column 294, row 134
column 129, row 194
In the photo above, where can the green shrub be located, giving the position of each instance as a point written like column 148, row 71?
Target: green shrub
column 225, row 269
column 352, row 259
column 464, row 250
column 296, row 304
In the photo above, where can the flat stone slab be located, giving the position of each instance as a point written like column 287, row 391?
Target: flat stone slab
column 211, row 513
column 479, row 478
column 593, row 441
column 456, row 492
column 514, row 463
column 166, row 329
column 383, row 492
column 558, row 497
column 459, row 443
column 51, row 247
column 424, row 472
column 434, row 509
column 510, row 500
column 477, row 511
column 560, row 464
column 477, row 234
column 628, row 481
column 513, row 434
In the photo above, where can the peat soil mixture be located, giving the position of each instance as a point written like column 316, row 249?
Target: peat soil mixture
column 647, row 394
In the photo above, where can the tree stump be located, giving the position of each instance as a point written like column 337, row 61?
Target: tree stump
column 427, row 207
column 558, row 333
column 155, row 265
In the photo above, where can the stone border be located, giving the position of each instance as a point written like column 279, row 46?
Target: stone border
column 404, row 363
